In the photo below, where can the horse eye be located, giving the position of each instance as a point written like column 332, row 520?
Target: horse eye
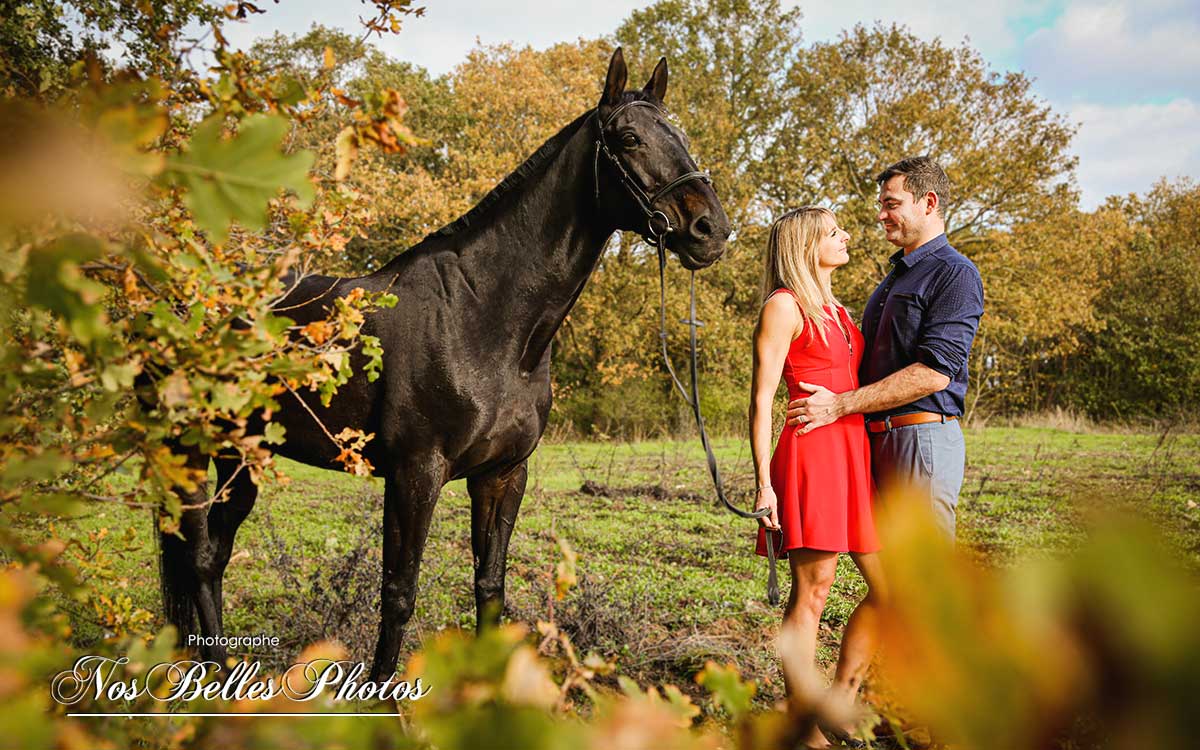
column 629, row 140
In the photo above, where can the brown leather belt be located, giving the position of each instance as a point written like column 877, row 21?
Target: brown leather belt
column 906, row 420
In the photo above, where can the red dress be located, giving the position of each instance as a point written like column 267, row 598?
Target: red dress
column 822, row 480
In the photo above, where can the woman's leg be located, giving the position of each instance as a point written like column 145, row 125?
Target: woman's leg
column 813, row 572
column 861, row 637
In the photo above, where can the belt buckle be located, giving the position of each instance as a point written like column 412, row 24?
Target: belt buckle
column 887, row 423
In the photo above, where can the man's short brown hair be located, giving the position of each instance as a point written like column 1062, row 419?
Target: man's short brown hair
column 921, row 175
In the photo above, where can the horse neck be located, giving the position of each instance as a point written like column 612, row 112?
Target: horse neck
column 530, row 261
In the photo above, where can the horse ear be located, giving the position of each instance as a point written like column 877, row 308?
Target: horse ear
column 657, row 85
column 614, row 83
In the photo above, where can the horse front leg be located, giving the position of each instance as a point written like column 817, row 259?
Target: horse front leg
column 495, row 500
column 410, row 495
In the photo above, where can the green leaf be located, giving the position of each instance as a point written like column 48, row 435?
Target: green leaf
column 131, row 131
column 56, row 283
column 289, row 91
column 274, row 326
column 230, row 397
column 186, row 260
column 680, row 704
column 195, row 321
column 727, row 687
column 374, row 353
column 628, row 686
column 49, row 504
column 34, row 467
column 119, row 376
column 274, row 433
column 232, row 180
column 101, row 407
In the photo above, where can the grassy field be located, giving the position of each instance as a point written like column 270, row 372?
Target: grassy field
column 667, row 580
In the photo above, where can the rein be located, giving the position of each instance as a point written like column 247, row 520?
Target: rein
column 658, row 226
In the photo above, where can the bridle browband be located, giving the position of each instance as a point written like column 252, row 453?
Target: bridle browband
column 658, row 226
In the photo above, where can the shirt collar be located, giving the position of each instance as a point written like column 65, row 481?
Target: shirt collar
column 915, row 257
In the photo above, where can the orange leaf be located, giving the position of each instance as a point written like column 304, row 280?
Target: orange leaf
column 318, row 331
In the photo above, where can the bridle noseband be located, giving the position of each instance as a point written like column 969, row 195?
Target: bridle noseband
column 658, row 226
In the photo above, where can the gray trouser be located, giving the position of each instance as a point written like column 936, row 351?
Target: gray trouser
column 930, row 457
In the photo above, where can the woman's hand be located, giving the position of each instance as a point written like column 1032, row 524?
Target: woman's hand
column 766, row 499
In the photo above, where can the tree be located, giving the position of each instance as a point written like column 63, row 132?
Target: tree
column 875, row 95
column 41, row 39
column 1043, row 282
column 782, row 125
column 347, row 71
column 1144, row 358
column 729, row 60
column 778, row 124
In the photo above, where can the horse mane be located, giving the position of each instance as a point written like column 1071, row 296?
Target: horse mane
column 516, row 179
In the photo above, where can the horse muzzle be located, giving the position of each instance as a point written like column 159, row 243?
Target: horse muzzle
column 699, row 249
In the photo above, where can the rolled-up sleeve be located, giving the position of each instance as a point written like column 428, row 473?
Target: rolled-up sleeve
column 952, row 314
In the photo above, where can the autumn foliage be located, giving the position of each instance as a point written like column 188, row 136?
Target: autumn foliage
column 778, row 124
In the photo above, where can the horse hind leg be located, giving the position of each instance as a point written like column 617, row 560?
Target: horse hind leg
column 236, row 495
column 186, row 565
column 495, row 500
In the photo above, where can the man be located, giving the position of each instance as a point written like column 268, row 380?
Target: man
column 918, row 325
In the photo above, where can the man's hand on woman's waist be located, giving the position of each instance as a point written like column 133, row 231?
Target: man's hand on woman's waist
column 826, row 407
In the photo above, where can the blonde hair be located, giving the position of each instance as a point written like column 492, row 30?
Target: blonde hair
column 791, row 263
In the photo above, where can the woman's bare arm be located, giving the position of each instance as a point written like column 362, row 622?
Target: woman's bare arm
column 777, row 324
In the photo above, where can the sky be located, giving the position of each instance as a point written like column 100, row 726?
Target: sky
column 1125, row 73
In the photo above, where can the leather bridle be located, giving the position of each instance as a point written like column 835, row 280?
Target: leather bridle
column 658, row 226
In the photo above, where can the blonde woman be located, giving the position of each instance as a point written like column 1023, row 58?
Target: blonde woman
column 817, row 485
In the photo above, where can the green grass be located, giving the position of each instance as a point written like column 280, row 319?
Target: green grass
column 1029, row 491
column 667, row 578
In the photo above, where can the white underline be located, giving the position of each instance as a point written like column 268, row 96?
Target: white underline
column 260, row 716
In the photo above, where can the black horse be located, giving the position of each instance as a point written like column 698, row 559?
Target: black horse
column 465, row 386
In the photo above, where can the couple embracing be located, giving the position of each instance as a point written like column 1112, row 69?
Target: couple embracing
column 868, row 409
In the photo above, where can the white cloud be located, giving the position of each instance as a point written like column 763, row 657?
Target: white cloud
column 1116, row 51
column 1124, row 149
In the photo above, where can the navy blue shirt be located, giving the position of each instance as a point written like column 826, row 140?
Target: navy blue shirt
column 927, row 310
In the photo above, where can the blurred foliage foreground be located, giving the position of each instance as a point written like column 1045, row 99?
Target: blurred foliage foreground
column 1098, row 650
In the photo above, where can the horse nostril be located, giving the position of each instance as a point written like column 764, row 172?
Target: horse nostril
column 702, row 227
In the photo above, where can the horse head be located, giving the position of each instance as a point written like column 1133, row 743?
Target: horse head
column 645, row 179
